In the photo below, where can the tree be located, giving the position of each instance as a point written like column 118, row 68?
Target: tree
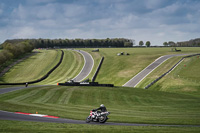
column 141, row 43
column 148, row 44
column 165, row 44
column 128, row 44
column 171, row 43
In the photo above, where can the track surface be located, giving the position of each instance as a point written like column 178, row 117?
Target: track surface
column 6, row 90
column 140, row 76
column 87, row 68
column 4, row 115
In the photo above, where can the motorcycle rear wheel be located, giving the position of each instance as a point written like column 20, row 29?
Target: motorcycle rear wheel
column 103, row 119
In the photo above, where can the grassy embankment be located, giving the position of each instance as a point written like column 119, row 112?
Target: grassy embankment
column 32, row 68
column 183, row 79
column 68, row 69
column 38, row 65
column 125, row 104
column 119, row 69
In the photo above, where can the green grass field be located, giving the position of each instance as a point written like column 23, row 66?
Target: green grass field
column 174, row 99
column 33, row 127
column 119, row 69
column 125, row 104
column 183, row 79
column 38, row 65
column 69, row 68
column 159, row 71
column 32, row 68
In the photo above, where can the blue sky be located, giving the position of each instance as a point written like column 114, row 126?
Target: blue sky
column 147, row 20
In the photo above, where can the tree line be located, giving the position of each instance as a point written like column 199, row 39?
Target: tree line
column 73, row 43
column 190, row 43
column 14, row 50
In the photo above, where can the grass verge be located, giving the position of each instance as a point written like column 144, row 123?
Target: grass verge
column 33, row 127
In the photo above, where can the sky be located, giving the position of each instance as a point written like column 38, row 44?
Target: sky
column 156, row 21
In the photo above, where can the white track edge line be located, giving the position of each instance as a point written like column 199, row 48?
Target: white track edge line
column 142, row 70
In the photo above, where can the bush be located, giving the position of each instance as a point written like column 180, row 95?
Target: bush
column 11, row 51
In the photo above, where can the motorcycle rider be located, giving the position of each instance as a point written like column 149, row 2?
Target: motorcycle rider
column 102, row 108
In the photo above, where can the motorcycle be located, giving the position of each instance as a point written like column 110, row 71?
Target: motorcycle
column 97, row 116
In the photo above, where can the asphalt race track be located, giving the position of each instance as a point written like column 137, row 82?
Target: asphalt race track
column 4, row 115
column 140, row 76
column 6, row 90
column 87, row 68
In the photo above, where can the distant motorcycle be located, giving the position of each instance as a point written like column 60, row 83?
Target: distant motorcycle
column 97, row 116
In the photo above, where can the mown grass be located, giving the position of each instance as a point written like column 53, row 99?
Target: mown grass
column 68, row 69
column 119, row 69
column 11, row 61
column 185, row 78
column 38, row 65
column 32, row 68
column 33, row 127
column 126, row 104
column 164, row 67
column 132, row 105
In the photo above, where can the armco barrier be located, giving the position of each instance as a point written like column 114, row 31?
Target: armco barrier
column 149, row 85
column 38, row 80
column 98, row 68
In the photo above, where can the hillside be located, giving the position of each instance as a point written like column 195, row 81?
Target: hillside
column 39, row 64
column 119, row 69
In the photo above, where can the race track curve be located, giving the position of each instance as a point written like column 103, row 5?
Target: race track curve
column 87, row 68
column 141, row 75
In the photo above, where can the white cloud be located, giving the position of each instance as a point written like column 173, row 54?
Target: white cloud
column 20, row 12
column 152, row 4
column 153, row 20
column 71, row 10
column 24, row 32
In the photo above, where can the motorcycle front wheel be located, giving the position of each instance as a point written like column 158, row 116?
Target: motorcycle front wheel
column 88, row 119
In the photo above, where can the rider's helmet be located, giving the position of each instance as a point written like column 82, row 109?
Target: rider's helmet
column 102, row 105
